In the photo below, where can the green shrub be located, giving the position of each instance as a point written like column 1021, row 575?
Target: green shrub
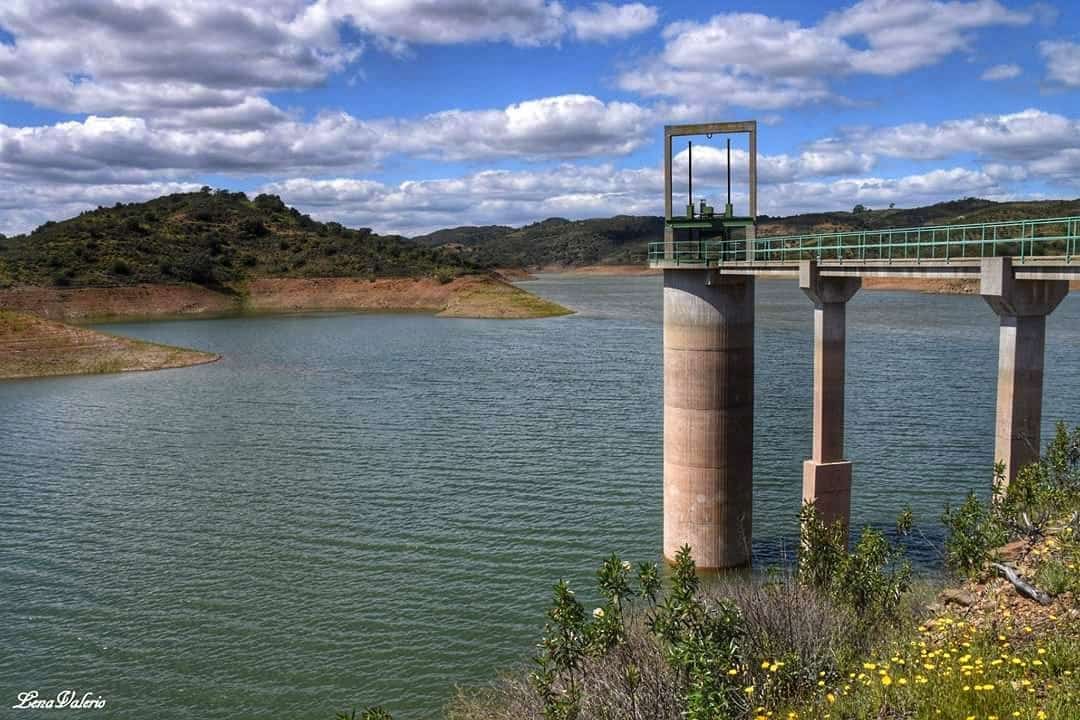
column 972, row 531
column 702, row 642
column 1055, row 578
column 1037, row 494
column 1040, row 490
column 870, row 580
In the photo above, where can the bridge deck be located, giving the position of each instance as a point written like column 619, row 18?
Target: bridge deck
column 1050, row 267
column 1042, row 249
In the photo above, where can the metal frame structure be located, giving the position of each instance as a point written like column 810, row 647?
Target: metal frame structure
column 722, row 128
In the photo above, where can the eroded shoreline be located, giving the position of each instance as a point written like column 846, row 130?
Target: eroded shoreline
column 32, row 346
column 472, row 296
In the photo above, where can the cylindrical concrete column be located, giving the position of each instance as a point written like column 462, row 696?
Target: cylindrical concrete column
column 708, row 416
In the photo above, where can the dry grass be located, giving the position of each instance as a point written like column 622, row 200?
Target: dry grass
column 793, row 638
column 34, row 347
column 607, row 688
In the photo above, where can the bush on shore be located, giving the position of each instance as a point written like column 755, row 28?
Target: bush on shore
column 835, row 639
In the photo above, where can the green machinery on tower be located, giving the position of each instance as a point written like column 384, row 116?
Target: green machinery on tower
column 686, row 236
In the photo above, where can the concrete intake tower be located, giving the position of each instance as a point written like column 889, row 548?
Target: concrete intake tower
column 710, row 262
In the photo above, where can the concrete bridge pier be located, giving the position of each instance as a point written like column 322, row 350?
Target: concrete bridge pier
column 827, row 475
column 1022, row 306
column 708, row 415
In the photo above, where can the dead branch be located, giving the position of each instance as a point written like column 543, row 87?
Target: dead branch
column 1024, row 588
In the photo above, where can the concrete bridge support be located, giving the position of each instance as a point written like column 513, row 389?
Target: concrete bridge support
column 708, row 416
column 827, row 475
column 1022, row 306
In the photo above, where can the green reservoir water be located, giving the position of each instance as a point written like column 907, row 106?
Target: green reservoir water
column 358, row 509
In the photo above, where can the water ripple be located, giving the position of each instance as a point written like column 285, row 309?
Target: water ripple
column 352, row 509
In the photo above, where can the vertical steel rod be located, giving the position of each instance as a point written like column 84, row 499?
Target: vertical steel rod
column 690, row 176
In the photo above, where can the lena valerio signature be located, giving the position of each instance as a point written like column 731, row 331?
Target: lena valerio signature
column 69, row 699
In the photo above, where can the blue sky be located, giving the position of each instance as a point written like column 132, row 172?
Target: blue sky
column 409, row 115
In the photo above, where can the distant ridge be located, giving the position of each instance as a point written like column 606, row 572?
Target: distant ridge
column 218, row 238
column 624, row 239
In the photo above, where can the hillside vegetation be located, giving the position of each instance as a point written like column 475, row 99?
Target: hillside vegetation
column 954, row 212
column 211, row 238
column 219, row 238
column 624, row 239
column 555, row 241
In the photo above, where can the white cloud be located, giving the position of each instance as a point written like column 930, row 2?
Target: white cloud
column 565, row 126
column 908, row 191
column 764, row 62
column 1062, row 62
column 710, row 164
column 1063, row 167
column 156, row 58
column 1023, row 136
column 101, row 149
column 125, row 149
column 605, row 20
column 516, row 198
column 522, row 22
column 503, row 197
column 1001, row 72
column 902, row 35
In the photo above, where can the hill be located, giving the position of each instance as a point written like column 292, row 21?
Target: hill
column 624, row 239
column 555, row 241
column 219, row 239
column 953, row 212
column 210, row 238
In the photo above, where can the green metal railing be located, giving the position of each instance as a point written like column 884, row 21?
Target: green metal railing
column 1020, row 239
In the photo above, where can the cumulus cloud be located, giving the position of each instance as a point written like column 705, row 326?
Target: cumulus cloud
column 1023, row 136
column 829, row 159
column 121, row 56
column 133, row 152
column 520, row 197
column 513, row 197
column 604, row 20
column 765, row 62
column 902, row 35
column 565, row 126
column 120, row 148
column 910, row 190
column 502, row 197
column 1062, row 62
column 103, row 148
column 523, row 22
column 1001, row 72
column 160, row 58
